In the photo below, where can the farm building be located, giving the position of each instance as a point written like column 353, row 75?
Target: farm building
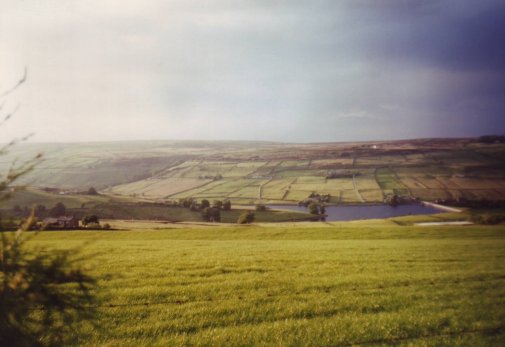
column 62, row 222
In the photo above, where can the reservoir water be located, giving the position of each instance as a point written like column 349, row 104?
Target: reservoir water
column 357, row 212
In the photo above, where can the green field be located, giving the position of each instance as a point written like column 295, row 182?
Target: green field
column 126, row 208
column 425, row 173
column 249, row 172
column 324, row 284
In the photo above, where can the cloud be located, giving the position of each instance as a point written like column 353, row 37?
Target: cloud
column 285, row 70
column 450, row 34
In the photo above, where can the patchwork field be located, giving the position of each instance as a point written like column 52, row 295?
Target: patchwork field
column 158, row 187
column 252, row 172
column 324, row 284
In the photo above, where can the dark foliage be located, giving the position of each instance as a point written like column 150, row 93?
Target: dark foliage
column 260, row 207
column 92, row 191
column 313, row 208
column 246, row 217
column 58, row 210
column 41, row 294
column 211, row 214
column 474, row 204
column 492, row 139
column 90, row 219
column 226, row 205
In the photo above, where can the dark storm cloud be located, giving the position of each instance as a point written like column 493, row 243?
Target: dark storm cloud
column 445, row 59
column 439, row 33
column 287, row 70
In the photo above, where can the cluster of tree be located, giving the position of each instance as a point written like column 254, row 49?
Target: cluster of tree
column 392, row 200
column 204, row 203
column 260, row 207
column 395, row 199
column 492, row 139
column 488, row 218
column 58, row 210
column 315, row 197
column 476, row 204
column 341, row 174
column 93, row 222
column 187, row 202
column 92, row 191
column 211, row 177
column 317, row 209
column 320, row 197
column 21, row 211
column 41, row 211
column 210, row 213
column 246, row 217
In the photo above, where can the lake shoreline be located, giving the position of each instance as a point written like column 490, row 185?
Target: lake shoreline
column 366, row 211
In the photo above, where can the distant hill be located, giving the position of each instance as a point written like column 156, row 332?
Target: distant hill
column 247, row 172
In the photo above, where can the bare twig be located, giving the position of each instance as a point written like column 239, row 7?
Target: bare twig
column 16, row 86
column 9, row 115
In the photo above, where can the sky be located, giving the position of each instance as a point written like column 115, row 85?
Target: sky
column 284, row 70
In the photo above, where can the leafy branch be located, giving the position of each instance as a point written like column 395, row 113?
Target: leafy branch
column 41, row 293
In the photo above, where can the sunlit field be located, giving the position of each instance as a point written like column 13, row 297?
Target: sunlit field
column 246, row 173
column 320, row 284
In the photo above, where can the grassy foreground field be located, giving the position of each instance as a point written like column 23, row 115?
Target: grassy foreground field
column 320, row 284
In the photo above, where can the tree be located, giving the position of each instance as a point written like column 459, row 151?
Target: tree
column 246, row 217
column 92, row 191
column 313, row 208
column 89, row 219
column 15, row 171
column 40, row 210
column 194, row 206
column 205, row 214
column 392, row 200
column 211, row 214
column 41, row 293
column 205, row 203
column 217, row 204
column 322, row 209
column 58, row 210
column 226, row 205
column 186, row 202
column 215, row 215
column 260, row 207
column 38, row 280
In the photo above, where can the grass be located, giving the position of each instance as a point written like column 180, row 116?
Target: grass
column 387, row 180
column 331, row 163
column 176, row 169
column 430, row 194
column 372, row 195
column 197, row 192
column 33, row 196
column 324, row 284
column 107, row 207
column 180, row 214
column 276, row 189
column 160, row 187
column 294, row 163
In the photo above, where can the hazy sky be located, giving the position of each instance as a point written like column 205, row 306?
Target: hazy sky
column 281, row 70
